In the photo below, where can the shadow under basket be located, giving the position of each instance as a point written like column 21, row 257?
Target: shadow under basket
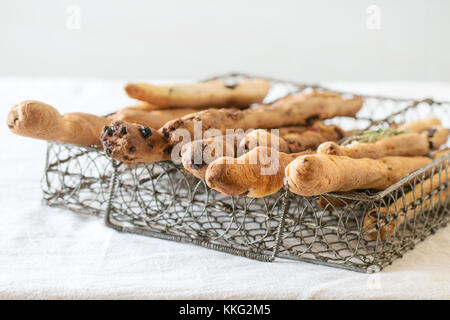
column 162, row 200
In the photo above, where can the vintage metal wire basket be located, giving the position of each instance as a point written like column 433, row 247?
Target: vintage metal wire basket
column 163, row 200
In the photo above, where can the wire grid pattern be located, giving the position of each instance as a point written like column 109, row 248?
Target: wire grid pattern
column 76, row 178
column 162, row 200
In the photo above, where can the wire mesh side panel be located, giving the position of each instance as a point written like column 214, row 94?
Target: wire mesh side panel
column 364, row 232
column 409, row 211
column 76, row 178
column 162, row 200
column 326, row 229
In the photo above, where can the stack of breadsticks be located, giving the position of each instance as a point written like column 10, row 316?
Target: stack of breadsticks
column 222, row 133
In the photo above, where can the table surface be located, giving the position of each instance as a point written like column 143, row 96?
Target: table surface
column 54, row 253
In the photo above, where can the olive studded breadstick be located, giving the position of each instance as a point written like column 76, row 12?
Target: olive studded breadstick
column 300, row 109
column 320, row 173
column 201, row 95
column 256, row 174
column 411, row 200
column 39, row 120
column 132, row 142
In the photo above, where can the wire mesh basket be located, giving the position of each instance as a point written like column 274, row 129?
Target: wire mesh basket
column 76, row 178
column 163, row 200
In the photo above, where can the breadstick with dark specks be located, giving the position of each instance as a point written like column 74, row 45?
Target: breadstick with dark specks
column 419, row 125
column 131, row 142
column 300, row 109
column 196, row 155
column 38, row 120
column 436, row 136
column 203, row 95
column 150, row 118
column 256, row 174
column 440, row 198
column 316, row 174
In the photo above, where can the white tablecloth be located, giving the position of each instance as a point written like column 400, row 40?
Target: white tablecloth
column 54, row 253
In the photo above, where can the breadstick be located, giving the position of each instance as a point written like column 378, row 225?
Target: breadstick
column 371, row 218
column 407, row 144
column 256, row 174
column 319, row 173
column 196, row 155
column 202, row 95
column 293, row 139
column 39, row 120
column 295, row 110
column 419, row 125
column 436, row 136
column 131, row 142
column 150, row 118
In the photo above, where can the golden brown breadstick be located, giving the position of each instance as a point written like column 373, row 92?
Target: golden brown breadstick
column 419, row 125
column 319, row 173
column 436, row 136
column 256, row 174
column 131, row 142
column 389, row 142
column 39, row 120
column 300, row 109
column 411, row 198
column 293, row 139
column 295, row 110
column 150, row 118
column 196, row 155
column 407, row 144
column 201, row 95
column 263, row 138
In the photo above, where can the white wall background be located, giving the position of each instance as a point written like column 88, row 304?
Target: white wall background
column 320, row 40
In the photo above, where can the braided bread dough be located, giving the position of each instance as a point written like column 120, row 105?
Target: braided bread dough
column 256, row 174
column 439, row 198
column 319, row 173
column 202, row 95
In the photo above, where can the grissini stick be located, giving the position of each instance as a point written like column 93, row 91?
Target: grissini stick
column 420, row 125
column 201, row 95
column 196, row 155
column 150, row 118
column 388, row 142
column 301, row 109
column 38, row 120
column 410, row 198
column 320, row 173
column 256, row 174
column 293, row 139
